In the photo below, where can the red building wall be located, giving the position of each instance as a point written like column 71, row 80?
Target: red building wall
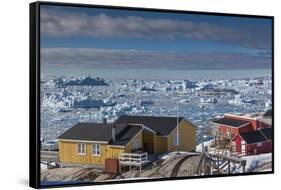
column 252, row 149
column 237, row 141
column 265, row 147
column 256, row 124
column 245, row 129
column 223, row 129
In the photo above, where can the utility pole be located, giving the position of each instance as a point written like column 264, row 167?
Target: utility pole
column 203, row 128
column 177, row 127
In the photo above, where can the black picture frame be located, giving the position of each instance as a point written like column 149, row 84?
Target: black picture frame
column 34, row 92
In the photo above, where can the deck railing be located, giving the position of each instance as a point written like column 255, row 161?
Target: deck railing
column 49, row 156
column 133, row 158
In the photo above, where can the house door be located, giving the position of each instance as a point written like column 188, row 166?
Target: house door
column 148, row 147
column 237, row 143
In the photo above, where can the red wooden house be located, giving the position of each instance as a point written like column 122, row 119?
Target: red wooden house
column 247, row 134
column 257, row 121
column 228, row 127
column 253, row 142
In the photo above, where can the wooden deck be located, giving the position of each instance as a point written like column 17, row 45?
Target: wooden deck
column 49, row 156
column 221, row 164
column 133, row 159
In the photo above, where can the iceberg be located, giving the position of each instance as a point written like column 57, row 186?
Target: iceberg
column 87, row 81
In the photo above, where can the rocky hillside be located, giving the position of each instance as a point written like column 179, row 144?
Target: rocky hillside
column 171, row 166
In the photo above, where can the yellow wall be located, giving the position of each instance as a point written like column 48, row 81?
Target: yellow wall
column 187, row 135
column 68, row 150
column 129, row 146
column 148, row 139
column 113, row 152
column 160, row 144
column 68, row 153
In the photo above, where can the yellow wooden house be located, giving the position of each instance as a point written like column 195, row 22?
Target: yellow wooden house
column 93, row 143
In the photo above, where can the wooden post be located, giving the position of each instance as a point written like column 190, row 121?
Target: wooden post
column 120, row 167
column 218, row 164
column 228, row 165
column 211, row 170
column 146, row 156
column 215, row 143
column 140, row 160
column 204, row 164
column 243, row 166
column 243, row 169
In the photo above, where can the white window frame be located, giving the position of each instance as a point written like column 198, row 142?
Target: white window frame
column 259, row 144
column 81, row 149
column 96, row 149
column 136, row 144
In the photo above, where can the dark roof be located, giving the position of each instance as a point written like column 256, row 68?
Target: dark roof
column 268, row 113
column 161, row 125
column 126, row 134
column 253, row 137
column 230, row 122
column 101, row 132
column 267, row 132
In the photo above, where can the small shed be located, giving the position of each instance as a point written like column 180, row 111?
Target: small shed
column 111, row 165
column 253, row 142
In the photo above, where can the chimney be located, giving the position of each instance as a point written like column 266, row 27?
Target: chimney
column 104, row 121
column 113, row 133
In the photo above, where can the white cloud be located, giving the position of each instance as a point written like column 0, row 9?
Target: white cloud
column 64, row 24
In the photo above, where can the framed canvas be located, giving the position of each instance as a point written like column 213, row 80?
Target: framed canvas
column 120, row 94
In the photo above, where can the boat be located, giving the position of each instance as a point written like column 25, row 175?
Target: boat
column 210, row 100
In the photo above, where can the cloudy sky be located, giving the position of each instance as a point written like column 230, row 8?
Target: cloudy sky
column 76, row 40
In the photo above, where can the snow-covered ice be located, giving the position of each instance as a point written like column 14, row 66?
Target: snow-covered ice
column 63, row 104
column 256, row 161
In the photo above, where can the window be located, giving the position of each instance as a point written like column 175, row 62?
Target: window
column 259, row 144
column 229, row 133
column 136, row 144
column 96, row 149
column 81, row 149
